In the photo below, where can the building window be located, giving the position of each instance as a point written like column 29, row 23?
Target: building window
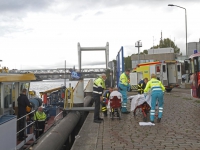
column 8, row 95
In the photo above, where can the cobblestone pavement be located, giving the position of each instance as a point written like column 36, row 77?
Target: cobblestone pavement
column 178, row 129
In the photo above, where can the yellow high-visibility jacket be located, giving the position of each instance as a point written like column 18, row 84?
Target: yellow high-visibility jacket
column 124, row 79
column 154, row 84
column 99, row 86
column 40, row 116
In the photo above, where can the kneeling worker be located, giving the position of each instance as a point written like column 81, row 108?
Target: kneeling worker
column 142, row 85
column 157, row 91
column 40, row 118
column 104, row 103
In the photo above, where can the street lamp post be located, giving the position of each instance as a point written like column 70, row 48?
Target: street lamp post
column 138, row 44
column 185, row 24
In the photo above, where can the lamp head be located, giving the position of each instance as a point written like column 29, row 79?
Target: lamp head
column 170, row 5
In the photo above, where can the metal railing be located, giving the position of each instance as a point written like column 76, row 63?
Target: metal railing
column 69, row 95
column 32, row 136
column 26, row 126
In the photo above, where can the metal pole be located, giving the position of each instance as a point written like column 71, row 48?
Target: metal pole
column 186, row 31
column 65, row 75
column 138, row 53
column 153, row 44
column 111, row 78
column 185, row 25
column 137, row 44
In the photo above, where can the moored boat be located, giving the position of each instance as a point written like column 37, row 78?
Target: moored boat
column 11, row 85
column 53, row 101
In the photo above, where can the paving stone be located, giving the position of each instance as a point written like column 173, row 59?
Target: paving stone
column 178, row 129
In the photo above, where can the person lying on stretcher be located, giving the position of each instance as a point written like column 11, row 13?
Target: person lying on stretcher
column 112, row 94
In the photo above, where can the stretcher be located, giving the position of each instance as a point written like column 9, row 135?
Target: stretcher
column 114, row 106
column 141, row 102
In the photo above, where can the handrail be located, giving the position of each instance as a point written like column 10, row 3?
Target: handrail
column 26, row 124
column 71, row 98
column 51, row 90
column 26, row 127
column 87, row 85
column 26, row 115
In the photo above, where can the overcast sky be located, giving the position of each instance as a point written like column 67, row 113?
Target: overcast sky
column 44, row 33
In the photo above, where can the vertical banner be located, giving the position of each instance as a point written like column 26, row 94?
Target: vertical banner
column 120, row 64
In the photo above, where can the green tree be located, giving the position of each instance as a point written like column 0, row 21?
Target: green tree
column 108, row 73
column 145, row 51
column 128, row 63
column 167, row 43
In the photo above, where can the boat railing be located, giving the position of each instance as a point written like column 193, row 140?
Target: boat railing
column 30, row 136
column 58, row 117
column 69, row 95
column 26, row 126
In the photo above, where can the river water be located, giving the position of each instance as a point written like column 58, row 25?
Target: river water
column 40, row 86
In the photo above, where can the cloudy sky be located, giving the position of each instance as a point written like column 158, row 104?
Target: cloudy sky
column 44, row 33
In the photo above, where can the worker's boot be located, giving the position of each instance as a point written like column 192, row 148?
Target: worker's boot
column 158, row 120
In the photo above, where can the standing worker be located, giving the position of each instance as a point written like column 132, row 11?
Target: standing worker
column 123, row 87
column 40, row 118
column 157, row 91
column 23, row 102
column 142, row 85
column 98, row 87
column 104, row 103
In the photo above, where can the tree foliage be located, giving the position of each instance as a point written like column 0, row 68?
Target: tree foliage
column 167, row 43
column 145, row 51
column 127, row 62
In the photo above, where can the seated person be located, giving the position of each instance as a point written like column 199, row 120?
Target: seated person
column 106, row 96
column 142, row 85
column 115, row 92
column 40, row 118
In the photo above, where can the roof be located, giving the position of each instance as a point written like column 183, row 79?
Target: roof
column 17, row 77
column 195, row 55
column 157, row 62
column 149, row 63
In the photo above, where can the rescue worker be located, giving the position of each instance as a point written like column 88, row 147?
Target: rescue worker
column 142, row 85
column 40, row 118
column 98, row 87
column 157, row 91
column 123, row 87
column 104, row 103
